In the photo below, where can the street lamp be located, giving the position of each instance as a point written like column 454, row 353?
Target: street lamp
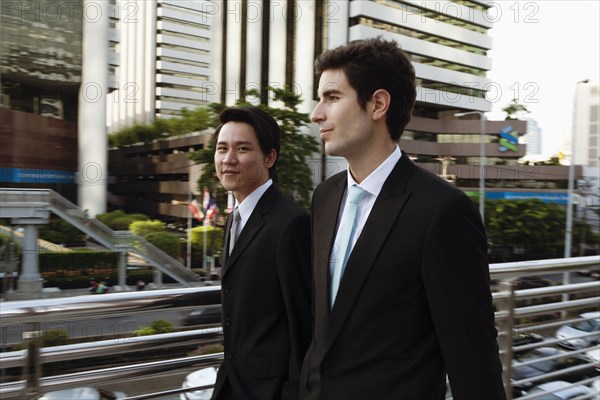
column 481, row 159
column 188, row 261
column 569, row 222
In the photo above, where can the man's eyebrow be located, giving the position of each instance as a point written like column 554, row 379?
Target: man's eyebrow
column 329, row 92
column 246, row 142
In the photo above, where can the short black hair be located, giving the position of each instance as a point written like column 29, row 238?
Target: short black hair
column 372, row 64
column 266, row 128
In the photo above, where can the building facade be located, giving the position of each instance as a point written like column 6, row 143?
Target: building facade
column 47, row 94
column 164, row 60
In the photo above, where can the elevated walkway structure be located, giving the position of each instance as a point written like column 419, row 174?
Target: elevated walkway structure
column 32, row 207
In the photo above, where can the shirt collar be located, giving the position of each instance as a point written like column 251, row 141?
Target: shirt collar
column 247, row 206
column 374, row 182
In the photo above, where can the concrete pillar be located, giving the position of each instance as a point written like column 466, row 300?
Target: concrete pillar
column 122, row 268
column 30, row 279
column 158, row 282
column 92, row 132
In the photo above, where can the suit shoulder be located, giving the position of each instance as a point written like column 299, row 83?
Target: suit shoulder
column 426, row 181
column 285, row 204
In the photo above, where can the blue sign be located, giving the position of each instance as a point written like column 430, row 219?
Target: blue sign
column 554, row 198
column 32, row 175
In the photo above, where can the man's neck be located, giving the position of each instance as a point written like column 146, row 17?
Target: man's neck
column 363, row 164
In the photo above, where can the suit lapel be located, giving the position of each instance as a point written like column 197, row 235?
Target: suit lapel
column 325, row 221
column 383, row 216
column 251, row 228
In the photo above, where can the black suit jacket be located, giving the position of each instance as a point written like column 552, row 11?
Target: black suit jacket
column 414, row 302
column 265, row 291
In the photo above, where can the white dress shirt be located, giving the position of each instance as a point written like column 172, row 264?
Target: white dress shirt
column 247, row 206
column 372, row 184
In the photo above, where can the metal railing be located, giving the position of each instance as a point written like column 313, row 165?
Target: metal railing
column 512, row 311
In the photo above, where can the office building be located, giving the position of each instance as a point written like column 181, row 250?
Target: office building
column 56, row 60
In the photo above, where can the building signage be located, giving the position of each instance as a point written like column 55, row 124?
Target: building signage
column 32, row 175
column 508, row 139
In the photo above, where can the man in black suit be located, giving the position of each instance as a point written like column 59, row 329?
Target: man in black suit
column 403, row 299
column 266, row 280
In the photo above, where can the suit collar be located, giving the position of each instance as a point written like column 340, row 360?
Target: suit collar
column 251, row 228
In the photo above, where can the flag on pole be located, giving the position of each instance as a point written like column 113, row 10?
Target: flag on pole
column 212, row 212
column 205, row 199
column 195, row 208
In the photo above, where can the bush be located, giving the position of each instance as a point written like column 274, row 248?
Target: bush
column 214, row 240
column 142, row 228
column 156, row 327
column 120, row 221
column 165, row 241
column 55, row 337
column 78, row 262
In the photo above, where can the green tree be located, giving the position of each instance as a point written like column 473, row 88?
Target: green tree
column 190, row 121
column 294, row 175
column 61, row 232
column 534, row 227
column 513, row 109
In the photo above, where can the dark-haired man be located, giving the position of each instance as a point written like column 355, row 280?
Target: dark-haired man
column 402, row 291
column 266, row 278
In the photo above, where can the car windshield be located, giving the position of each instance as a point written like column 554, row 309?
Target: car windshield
column 546, row 396
column 585, row 326
column 544, row 366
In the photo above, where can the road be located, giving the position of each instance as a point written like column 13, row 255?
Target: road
column 102, row 327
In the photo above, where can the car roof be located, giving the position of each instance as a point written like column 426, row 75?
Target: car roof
column 548, row 351
column 80, row 393
column 591, row 314
column 558, row 388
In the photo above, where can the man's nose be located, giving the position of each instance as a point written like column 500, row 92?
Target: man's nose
column 317, row 114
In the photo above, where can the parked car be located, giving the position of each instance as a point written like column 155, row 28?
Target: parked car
column 204, row 315
column 531, row 282
column 571, row 332
column 593, row 355
column 559, row 390
column 543, row 367
column 596, row 385
column 82, row 393
column 523, row 338
column 202, row 377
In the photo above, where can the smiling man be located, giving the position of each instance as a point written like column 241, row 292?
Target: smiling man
column 402, row 294
column 265, row 288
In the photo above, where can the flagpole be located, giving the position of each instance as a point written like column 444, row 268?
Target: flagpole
column 189, row 232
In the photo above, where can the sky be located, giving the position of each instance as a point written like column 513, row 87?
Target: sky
column 541, row 49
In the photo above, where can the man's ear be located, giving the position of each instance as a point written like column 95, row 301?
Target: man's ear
column 380, row 103
column 270, row 158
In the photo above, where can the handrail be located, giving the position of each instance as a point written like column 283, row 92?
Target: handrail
column 107, row 305
column 541, row 267
column 52, row 201
column 34, row 312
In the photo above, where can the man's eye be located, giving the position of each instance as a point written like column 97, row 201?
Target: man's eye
column 331, row 99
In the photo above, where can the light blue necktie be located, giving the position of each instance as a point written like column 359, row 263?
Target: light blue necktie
column 344, row 236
